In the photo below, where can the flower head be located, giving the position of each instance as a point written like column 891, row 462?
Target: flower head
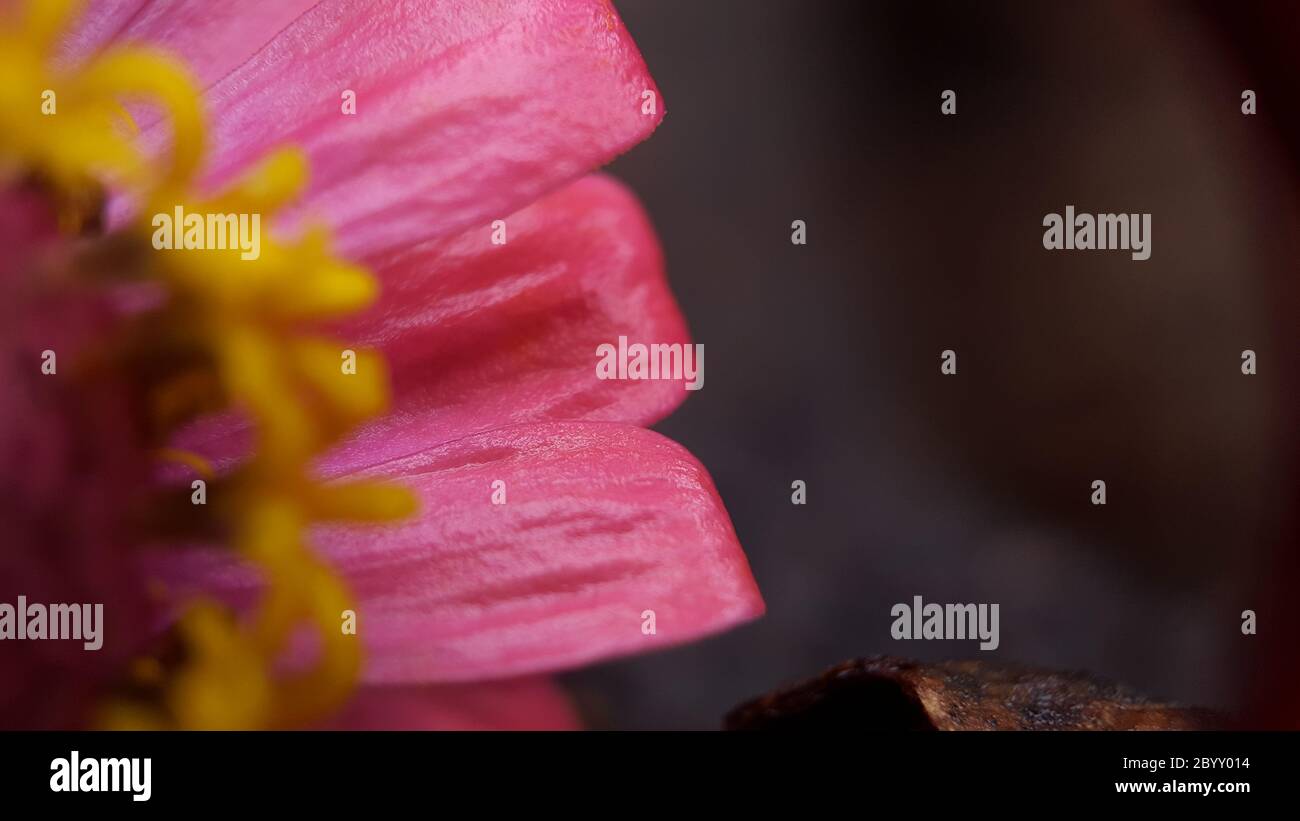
column 265, row 377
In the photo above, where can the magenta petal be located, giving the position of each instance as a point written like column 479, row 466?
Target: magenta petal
column 517, row 704
column 602, row 523
column 478, row 336
column 465, row 111
column 210, row 40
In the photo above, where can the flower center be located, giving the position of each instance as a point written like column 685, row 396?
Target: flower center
column 230, row 331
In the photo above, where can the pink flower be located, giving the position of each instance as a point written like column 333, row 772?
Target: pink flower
column 469, row 112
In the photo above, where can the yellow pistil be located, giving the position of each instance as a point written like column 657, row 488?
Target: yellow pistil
column 240, row 329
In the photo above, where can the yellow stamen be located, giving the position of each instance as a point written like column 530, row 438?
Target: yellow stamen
column 362, row 501
column 62, row 123
column 241, row 326
column 155, row 77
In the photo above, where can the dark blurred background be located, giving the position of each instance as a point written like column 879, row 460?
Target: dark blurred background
column 924, row 233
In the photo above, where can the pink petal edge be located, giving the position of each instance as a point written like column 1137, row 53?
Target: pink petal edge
column 603, row 522
column 465, row 111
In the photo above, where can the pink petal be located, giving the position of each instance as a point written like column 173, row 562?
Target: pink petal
column 210, row 40
column 603, row 522
column 478, row 336
column 465, row 112
column 516, row 704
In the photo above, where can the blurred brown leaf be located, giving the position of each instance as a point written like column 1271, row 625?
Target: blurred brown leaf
column 888, row 693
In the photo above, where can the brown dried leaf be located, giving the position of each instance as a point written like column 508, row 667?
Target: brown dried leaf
column 887, row 693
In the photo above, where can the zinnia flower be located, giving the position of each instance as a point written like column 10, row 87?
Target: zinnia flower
column 549, row 526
